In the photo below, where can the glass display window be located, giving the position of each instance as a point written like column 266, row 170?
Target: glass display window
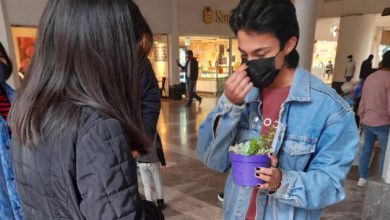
column 158, row 57
column 218, row 57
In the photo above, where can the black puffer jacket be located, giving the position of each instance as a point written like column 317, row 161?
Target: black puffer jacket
column 87, row 175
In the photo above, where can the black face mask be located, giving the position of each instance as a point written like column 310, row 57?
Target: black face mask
column 262, row 72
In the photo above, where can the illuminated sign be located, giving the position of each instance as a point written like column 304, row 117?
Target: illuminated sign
column 220, row 16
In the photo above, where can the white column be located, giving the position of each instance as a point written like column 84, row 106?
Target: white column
column 307, row 17
column 6, row 40
column 173, row 38
column 355, row 37
column 386, row 165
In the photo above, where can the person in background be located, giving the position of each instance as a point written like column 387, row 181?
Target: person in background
column 192, row 70
column 149, row 167
column 150, row 106
column 366, row 68
column 374, row 112
column 328, row 69
column 9, row 198
column 350, row 69
column 312, row 157
column 77, row 116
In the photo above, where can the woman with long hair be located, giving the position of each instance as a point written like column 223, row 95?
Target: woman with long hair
column 76, row 117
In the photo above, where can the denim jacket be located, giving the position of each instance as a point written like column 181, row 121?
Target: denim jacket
column 315, row 142
column 9, row 199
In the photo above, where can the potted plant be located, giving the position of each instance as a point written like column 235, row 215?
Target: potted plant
column 246, row 157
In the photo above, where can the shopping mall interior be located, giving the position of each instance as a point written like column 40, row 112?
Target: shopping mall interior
column 330, row 30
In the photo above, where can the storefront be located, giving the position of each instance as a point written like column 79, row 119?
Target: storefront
column 217, row 57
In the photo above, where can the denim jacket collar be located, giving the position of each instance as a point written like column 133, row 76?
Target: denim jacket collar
column 300, row 88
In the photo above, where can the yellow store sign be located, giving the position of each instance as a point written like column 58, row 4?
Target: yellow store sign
column 220, row 16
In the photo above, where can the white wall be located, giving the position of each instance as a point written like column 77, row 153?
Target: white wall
column 24, row 12
column 348, row 7
column 355, row 40
column 323, row 29
column 158, row 14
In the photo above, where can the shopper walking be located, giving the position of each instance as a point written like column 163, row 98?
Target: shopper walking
column 350, row 69
column 366, row 68
column 192, row 71
column 311, row 157
column 374, row 115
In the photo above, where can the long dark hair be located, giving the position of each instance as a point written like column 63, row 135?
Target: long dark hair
column 4, row 54
column 277, row 17
column 85, row 56
column 143, row 33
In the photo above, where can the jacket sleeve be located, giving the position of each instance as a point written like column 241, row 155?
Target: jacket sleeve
column 106, row 174
column 160, row 150
column 151, row 99
column 321, row 184
column 216, row 133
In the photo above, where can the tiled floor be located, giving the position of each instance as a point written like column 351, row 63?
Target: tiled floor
column 190, row 188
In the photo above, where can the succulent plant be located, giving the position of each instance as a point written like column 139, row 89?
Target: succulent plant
column 254, row 146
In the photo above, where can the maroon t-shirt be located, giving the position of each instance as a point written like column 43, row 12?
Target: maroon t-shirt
column 5, row 105
column 272, row 100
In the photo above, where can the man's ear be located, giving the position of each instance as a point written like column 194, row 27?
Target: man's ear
column 290, row 45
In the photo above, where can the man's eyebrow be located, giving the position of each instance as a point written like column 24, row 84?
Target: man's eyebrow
column 255, row 51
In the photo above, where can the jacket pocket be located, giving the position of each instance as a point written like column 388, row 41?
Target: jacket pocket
column 296, row 151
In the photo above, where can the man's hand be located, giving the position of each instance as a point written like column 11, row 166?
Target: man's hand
column 238, row 85
column 164, row 168
column 135, row 154
column 271, row 176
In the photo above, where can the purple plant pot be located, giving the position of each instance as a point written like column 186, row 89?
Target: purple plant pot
column 244, row 168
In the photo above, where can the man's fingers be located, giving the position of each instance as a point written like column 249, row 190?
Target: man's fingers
column 274, row 160
column 236, row 74
column 263, row 177
column 246, row 90
column 263, row 186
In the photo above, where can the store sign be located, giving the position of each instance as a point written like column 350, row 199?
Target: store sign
column 220, row 16
column 208, row 15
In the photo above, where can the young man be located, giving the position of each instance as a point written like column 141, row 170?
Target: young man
column 374, row 114
column 316, row 137
column 192, row 71
column 350, row 69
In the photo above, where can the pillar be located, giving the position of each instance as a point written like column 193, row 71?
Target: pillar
column 355, row 37
column 173, row 38
column 307, row 16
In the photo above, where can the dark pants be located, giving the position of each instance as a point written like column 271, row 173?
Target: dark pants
column 191, row 91
column 348, row 78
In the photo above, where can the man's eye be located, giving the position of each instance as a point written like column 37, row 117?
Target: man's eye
column 260, row 56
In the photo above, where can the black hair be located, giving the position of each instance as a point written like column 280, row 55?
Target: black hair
column 189, row 52
column 143, row 33
column 277, row 17
column 86, row 55
column 4, row 54
column 386, row 60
